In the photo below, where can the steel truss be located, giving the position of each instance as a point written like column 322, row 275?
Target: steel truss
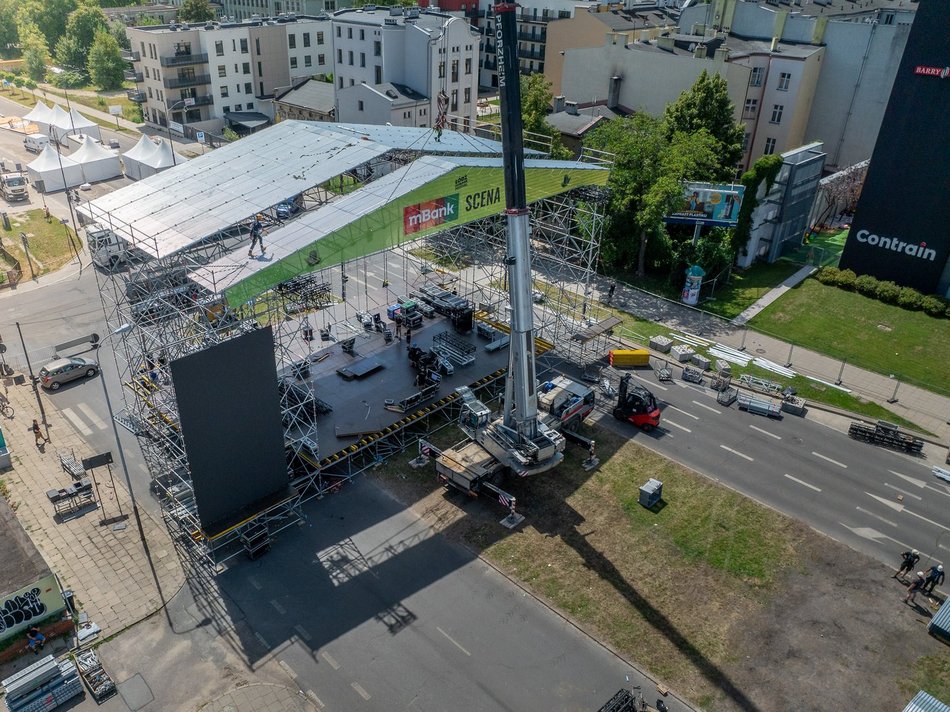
column 172, row 318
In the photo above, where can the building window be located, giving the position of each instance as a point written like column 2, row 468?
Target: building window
column 379, row 74
column 377, row 48
column 247, row 88
column 755, row 79
column 306, row 39
column 362, row 59
column 777, row 110
column 244, row 46
column 341, row 79
column 349, row 56
column 751, row 106
column 359, row 105
column 319, row 38
column 455, row 70
column 261, row 85
column 292, row 40
column 260, row 70
column 338, row 32
column 307, row 60
column 257, row 46
column 745, row 141
column 293, row 62
column 237, row 88
column 349, row 33
column 441, row 70
column 769, row 146
column 339, row 56
column 321, row 59
column 219, row 48
column 352, row 82
column 362, row 35
column 150, row 93
column 224, row 92
column 238, row 107
column 250, row 104
column 222, row 70
column 784, row 79
column 246, row 68
column 468, row 95
column 468, row 65
column 455, row 100
column 226, row 109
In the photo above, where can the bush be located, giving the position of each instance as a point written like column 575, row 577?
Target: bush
column 934, row 306
column 828, row 275
column 888, row 292
column 866, row 285
column 67, row 79
column 846, row 279
column 909, row 298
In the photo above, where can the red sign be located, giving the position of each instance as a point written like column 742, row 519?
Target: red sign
column 941, row 72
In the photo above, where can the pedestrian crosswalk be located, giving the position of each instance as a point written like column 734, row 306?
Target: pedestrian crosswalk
column 86, row 421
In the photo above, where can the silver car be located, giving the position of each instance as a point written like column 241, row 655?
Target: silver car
column 63, row 370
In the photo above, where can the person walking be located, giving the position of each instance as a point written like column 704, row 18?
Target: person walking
column 914, row 588
column 46, row 213
column 257, row 235
column 38, row 433
column 934, row 578
column 408, row 337
column 36, row 639
column 398, row 331
column 909, row 561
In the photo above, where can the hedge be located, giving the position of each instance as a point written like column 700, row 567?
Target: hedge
column 884, row 291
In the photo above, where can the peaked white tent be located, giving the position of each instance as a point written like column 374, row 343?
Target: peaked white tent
column 60, row 123
column 134, row 158
column 41, row 115
column 163, row 157
column 97, row 162
column 46, row 168
column 82, row 125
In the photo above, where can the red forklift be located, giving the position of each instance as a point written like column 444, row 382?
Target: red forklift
column 637, row 405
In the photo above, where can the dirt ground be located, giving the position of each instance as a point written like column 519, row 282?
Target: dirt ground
column 830, row 633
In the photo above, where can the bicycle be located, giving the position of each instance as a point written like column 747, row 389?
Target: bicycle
column 5, row 408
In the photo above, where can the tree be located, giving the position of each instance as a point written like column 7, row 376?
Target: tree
column 106, row 66
column 706, row 105
column 195, row 11
column 69, row 53
column 49, row 16
column 117, row 28
column 9, row 36
column 535, row 104
column 81, row 28
column 35, row 52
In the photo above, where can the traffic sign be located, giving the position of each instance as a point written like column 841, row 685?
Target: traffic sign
column 200, row 136
column 115, row 110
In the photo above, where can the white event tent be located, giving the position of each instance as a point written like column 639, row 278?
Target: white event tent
column 79, row 124
column 97, row 162
column 47, row 176
column 60, row 124
column 41, row 115
column 134, row 158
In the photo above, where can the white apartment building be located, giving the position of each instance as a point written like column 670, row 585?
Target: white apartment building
column 391, row 64
column 206, row 77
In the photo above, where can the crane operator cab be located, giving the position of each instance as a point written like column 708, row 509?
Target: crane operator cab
column 637, row 405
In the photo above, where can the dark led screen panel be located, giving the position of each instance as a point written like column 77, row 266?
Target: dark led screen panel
column 229, row 411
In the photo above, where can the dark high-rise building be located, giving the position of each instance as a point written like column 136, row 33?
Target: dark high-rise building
column 901, row 227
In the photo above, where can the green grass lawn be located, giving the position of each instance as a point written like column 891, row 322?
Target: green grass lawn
column 49, row 243
column 864, row 332
column 823, row 249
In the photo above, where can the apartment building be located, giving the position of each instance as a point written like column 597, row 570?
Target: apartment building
column 249, row 9
column 391, row 65
column 206, row 77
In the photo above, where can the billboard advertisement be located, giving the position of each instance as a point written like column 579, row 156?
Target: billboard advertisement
column 899, row 231
column 708, row 204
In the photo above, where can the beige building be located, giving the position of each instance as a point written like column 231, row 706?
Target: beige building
column 307, row 100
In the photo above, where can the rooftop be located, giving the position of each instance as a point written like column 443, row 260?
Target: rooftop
column 218, row 25
column 310, row 94
column 426, row 19
column 580, row 123
column 397, row 94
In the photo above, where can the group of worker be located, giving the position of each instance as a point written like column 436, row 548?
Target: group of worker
column 925, row 582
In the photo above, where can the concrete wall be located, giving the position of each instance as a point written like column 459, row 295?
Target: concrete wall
column 582, row 30
column 29, row 605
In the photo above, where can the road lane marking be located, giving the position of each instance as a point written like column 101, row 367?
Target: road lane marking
column 828, row 459
column 929, row 521
column 876, row 516
column 667, row 421
column 76, row 421
column 92, row 415
column 360, row 691
column 707, row 407
column 803, row 483
column 277, row 607
column 263, row 640
column 330, row 661
column 254, row 582
column 680, row 410
column 938, row 491
column 896, row 506
column 912, row 480
column 302, row 632
column 766, row 432
column 652, row 384
column 905, row 494
column 736, row 452
column 453, row 641
column 874, row 535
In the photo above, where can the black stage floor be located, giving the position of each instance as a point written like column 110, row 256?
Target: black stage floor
column 358, row 405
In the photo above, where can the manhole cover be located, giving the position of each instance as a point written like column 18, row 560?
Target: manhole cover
column 885, row 327
column 760, row 351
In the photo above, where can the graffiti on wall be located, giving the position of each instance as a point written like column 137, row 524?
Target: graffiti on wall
column 21, row 608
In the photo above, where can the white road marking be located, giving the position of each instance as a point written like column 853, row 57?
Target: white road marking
column 707, row 407
column 330, row 661
column 736, row 452
column 929, row 521
column 912, row 480
column 652, row 383
column 906, row 494
column 92, row 415
column 938, row 491
column 876, row 516
column 254, row 582
column 667, row 421
column 453, row 641
column 312, row 696
column 896, row 506
column 945, row 548
column 360, row 691
column 766, row 432
column 277, row 607
column 289, row 670
column 680, row 410
column 803, row 483
column 263, row 640
column 76, row 421
column 828, row 459
column 874, row 535
column 303, row 633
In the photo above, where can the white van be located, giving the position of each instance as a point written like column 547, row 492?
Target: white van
column 35, row 143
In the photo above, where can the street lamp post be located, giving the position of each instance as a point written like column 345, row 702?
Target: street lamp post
column 168, row 124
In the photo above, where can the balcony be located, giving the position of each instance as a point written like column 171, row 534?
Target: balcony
column 183, row 60
column 530, row 54
column 133, row 76
column 490, row 64
column 136, row 96
column 528, row 37
column 474, row 12
column 206, row 100
column 131, row 56
column 182, row 82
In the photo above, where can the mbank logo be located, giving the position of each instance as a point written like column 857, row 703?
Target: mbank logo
column 422, row 216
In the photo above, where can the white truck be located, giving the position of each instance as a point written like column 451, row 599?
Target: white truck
column 108, row 250
column 13, row 187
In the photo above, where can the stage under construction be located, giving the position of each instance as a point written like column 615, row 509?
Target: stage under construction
column 372, row 233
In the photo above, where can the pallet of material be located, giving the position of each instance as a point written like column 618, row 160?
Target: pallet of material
column 759, row 406
column 628, row 358
column 887, row 435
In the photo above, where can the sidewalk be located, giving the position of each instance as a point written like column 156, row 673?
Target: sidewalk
column 116, row 581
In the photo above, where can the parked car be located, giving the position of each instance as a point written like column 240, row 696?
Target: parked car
column 286, row 210
column 63, row 370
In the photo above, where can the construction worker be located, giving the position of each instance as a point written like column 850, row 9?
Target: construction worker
column 914, row 588
column 909, row 561
column 257, row 235
column 934, row 578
